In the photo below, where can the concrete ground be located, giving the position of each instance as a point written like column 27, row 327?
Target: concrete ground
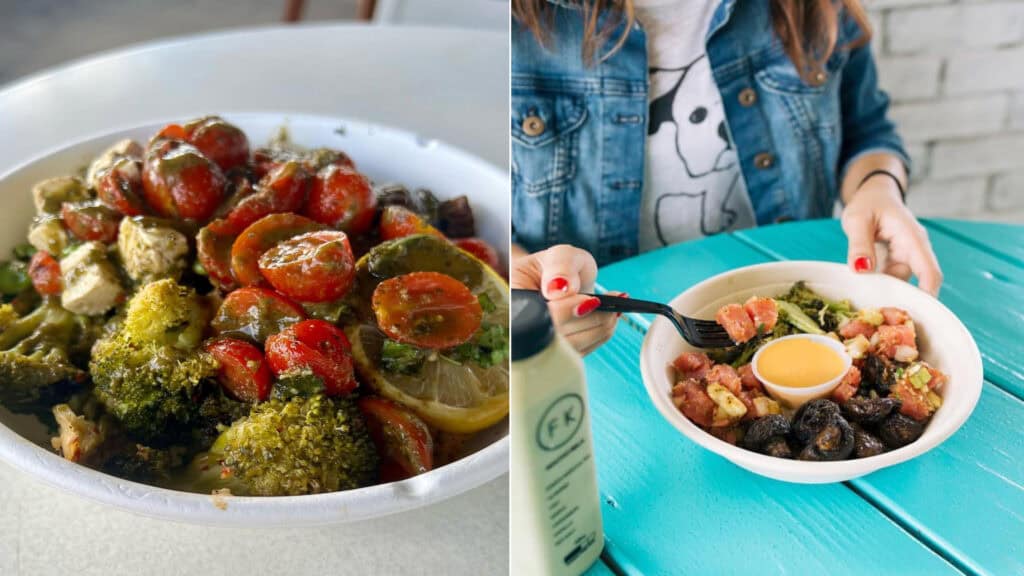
column 36, row 34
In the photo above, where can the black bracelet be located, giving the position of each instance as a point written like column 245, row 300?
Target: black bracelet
column 895, row 178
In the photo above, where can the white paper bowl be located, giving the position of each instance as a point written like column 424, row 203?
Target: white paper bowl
column 386, row 155
column 944, row 342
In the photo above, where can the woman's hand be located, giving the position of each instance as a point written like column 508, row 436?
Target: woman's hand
column 561, row 273
column 876, row 213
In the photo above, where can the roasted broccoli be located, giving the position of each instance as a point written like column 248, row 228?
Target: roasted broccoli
column 828, row 314
column 305, row 445
column 41, row 354
column 146, row 371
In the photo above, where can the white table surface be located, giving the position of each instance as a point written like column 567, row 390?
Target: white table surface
column 446, row 84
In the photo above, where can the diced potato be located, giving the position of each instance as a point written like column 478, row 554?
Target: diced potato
column 727, row 402
column 150, row 251
column 872, row 316
column 91, row 285
column 764, row 406
column 857, row 347
column 129, row 148
column 47, row 234
column 49, row 194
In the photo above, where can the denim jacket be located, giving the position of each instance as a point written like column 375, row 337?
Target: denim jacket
column 579, row 132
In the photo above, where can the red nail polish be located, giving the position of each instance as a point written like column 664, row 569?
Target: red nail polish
column 587, row 306
column 558, row 284
column 862, row 264
column 624, row 295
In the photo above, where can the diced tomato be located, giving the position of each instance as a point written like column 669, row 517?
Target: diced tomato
column 399, row 221
column 692, row 365
column 317, row 347
column 282, row 190
column 213, row 249
column 261, row 236
column 399, row 434
column 223, row 143
column 120, row 187
column 737, row 322
column 763, row 312
column 428, row 309
column 44, row 270
column 938, row 379
column 482, row 250
column 342, row 198
column 914, row 402
column 243, row 371
column 726, row 376
column 91, row 220
column 311, row 267
column 848, row 386
column 691, row 397
column 748, row 380
column 897, row 342
column 255, row 314
column 894, row 316
column 178, row 181
column 856, row 327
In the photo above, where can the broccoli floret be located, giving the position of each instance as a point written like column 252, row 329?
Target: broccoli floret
column 795, row 316
column 38, row 355
column 401, row 358
column 828, row 314
column 299, row 446
column 147, row 371
column 144, row 463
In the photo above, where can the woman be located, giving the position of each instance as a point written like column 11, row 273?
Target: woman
column 642, row 123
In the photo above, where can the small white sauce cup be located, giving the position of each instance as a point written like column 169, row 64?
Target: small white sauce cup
column 794, row 397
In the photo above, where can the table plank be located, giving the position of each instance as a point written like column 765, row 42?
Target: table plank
column 670, row 507
column 599, row 569
column 979, row 287
column 1006, row 240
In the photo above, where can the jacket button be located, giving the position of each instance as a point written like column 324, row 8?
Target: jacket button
column 747, row 97
column 819, row 78
column 783, row 219
column 764, row 160
column 533, row 126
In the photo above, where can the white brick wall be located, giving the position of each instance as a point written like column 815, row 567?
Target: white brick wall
column 955, row 72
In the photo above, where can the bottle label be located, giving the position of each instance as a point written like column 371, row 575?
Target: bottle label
column 567, row 461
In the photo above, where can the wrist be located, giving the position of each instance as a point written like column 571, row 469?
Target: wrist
column 884, row 179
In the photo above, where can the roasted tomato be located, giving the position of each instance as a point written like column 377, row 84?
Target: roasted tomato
column 398, row 221
column 178, row 181
column 310, row 267
column 482, row 250
column 243, row 371
column 44, row 270
column 342, row 198
column 314, row 347
column 399, row 434
column 261, row 236
column 282, row 190
column 427, row 309
column 120, row 187
column 213, row 249
column 219, row 141
column 255, row 314
column 91, row 220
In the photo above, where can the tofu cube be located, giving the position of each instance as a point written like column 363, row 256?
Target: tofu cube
column 52, row 192
column 149, row 250
column 91, row 285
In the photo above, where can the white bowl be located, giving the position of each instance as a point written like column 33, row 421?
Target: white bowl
column 944, row 342
column 384, row 154
column 795, row 397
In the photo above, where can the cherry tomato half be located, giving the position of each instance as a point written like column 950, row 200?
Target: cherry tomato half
column 223, row 143
column 243, row 371
column 314, row 346
column 178, row 181
column 398, row 434
column 120, row 187
column 255, row 314
column 310, row 267
column 44, row 270
column 482, row 250
column 399, row 221
column 91, row 220
column 261, row 236
column 282, row 190
column 342, row 198
column 428, row 309
column 213, row 249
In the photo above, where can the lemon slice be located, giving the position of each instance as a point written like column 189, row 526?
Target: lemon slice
column 452, row 396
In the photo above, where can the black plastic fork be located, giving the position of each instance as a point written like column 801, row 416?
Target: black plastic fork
column 699, row 333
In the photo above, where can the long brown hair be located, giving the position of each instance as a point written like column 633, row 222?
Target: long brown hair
column 808, row 29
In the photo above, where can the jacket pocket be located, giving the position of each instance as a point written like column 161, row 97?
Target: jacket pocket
column 545, row 131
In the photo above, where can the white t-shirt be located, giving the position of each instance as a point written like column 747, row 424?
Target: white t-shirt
column 694, row 186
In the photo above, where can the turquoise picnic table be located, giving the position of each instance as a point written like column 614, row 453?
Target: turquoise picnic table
column 671, row 507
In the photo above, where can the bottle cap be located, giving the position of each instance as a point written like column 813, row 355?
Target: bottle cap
column 532, row 330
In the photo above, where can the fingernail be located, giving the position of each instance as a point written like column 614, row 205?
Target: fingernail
column 587, row 306
column 558, row 284
column 862, row 264
column 624, row 295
